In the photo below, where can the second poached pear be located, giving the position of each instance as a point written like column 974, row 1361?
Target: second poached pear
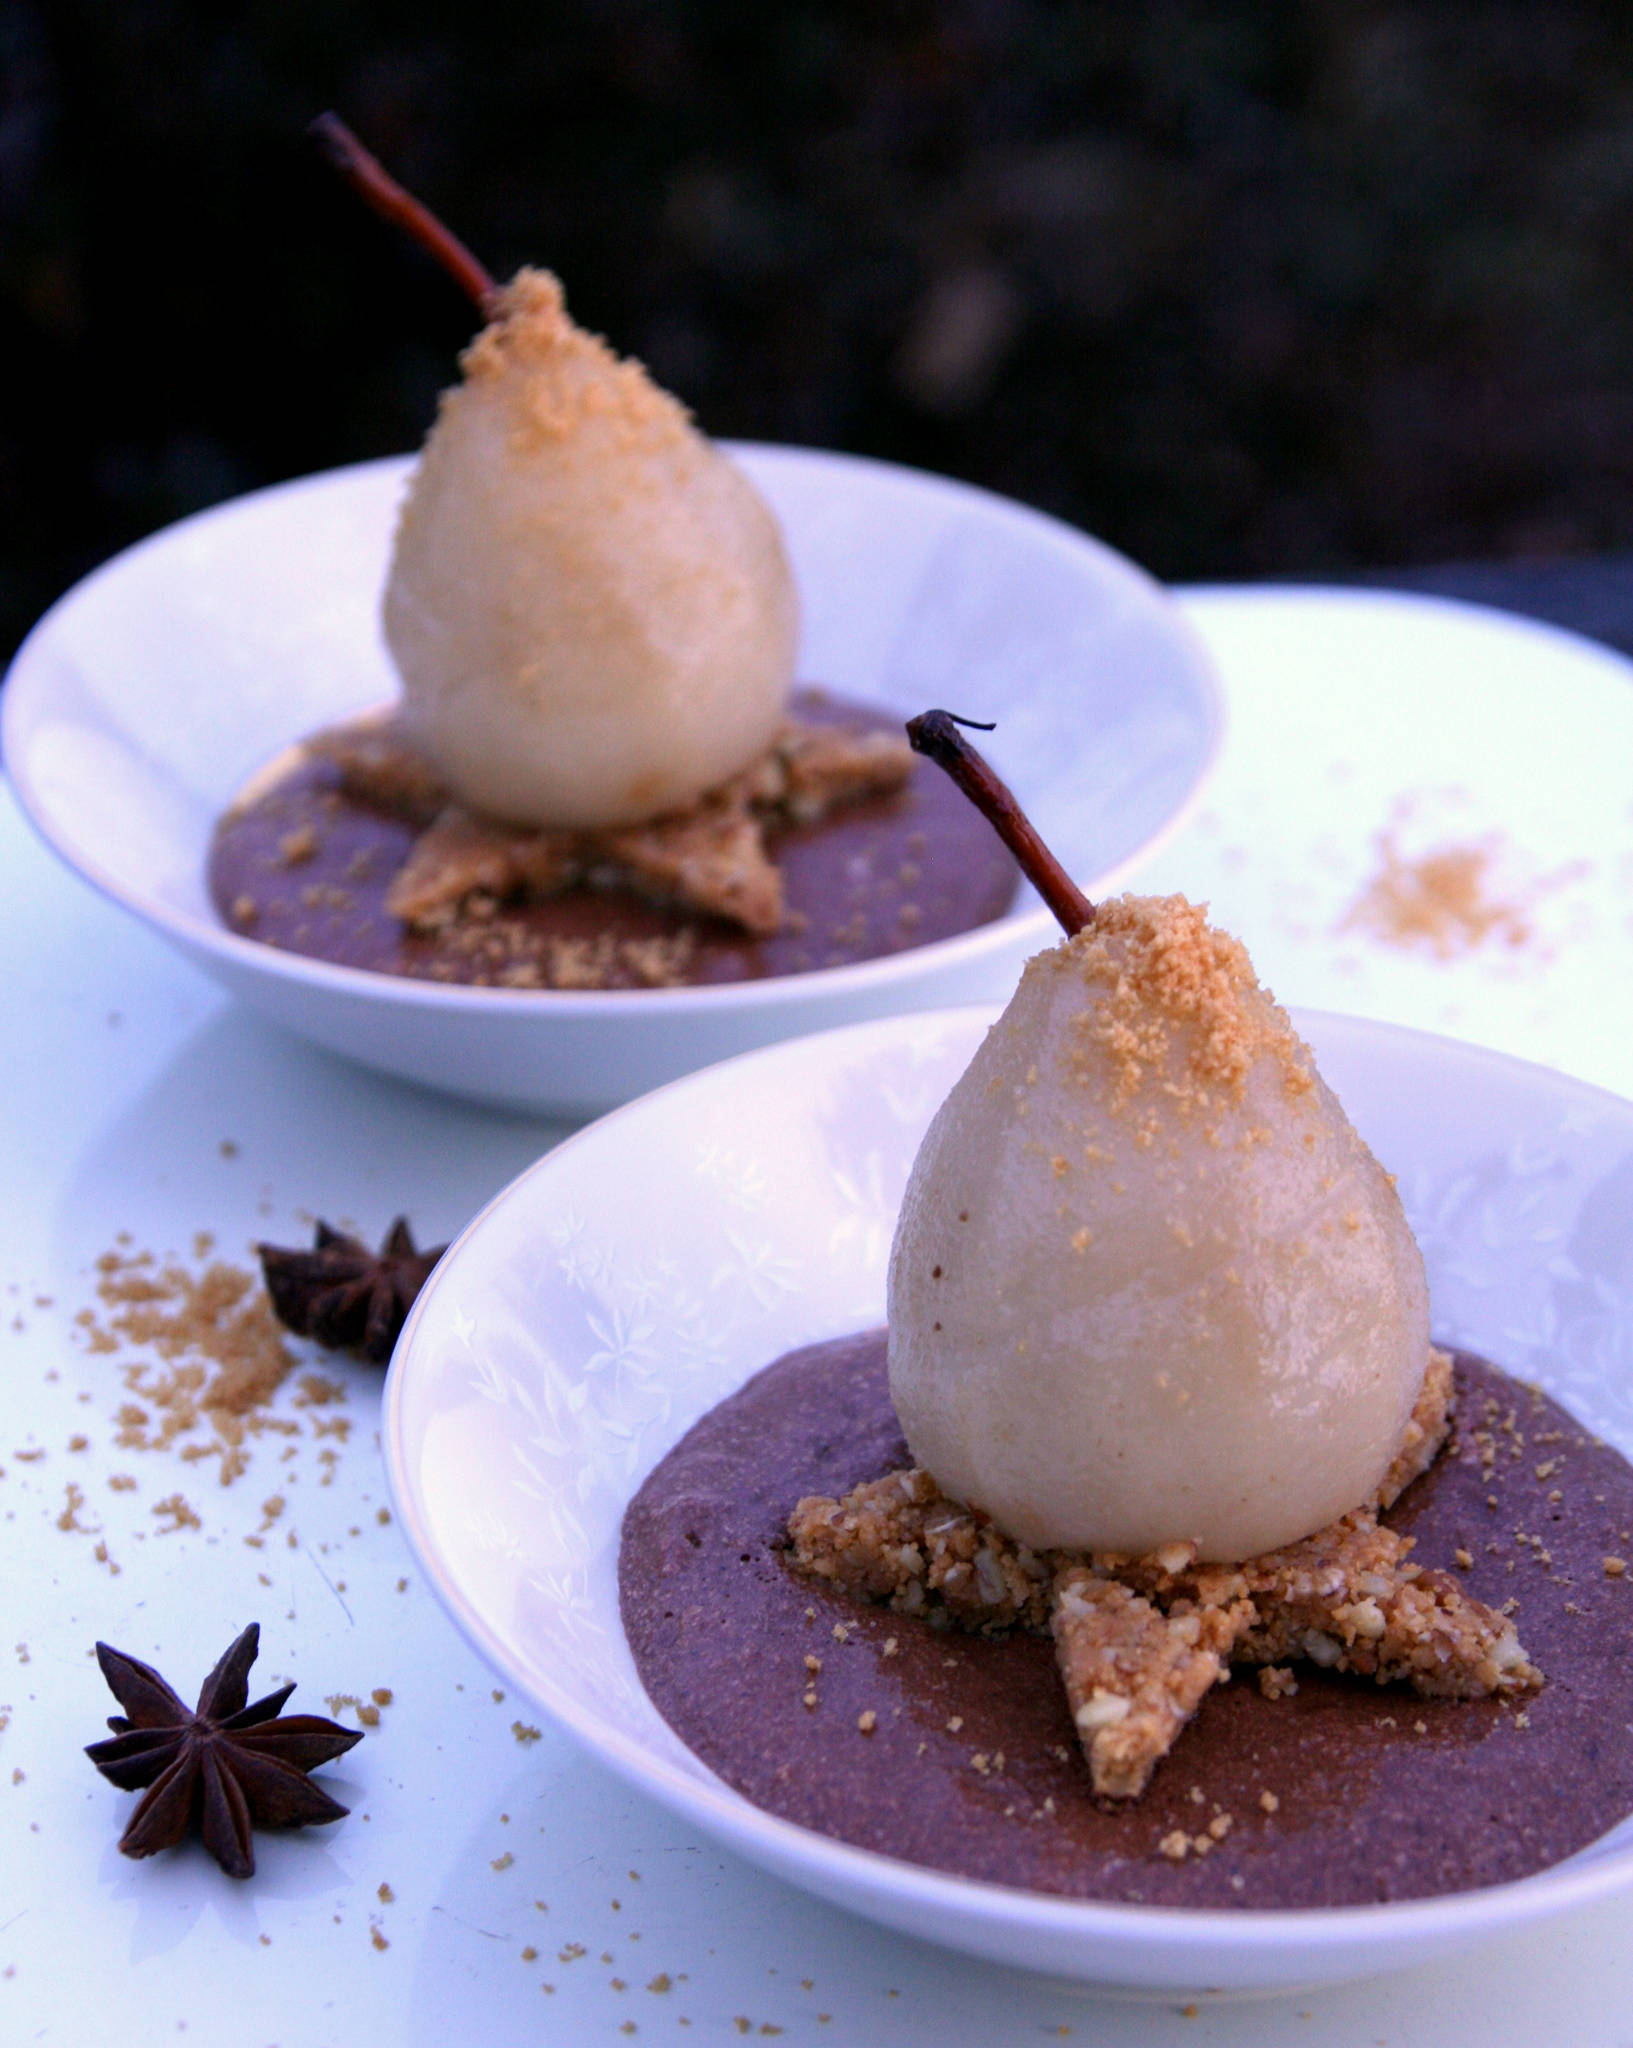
column 1148, row 1284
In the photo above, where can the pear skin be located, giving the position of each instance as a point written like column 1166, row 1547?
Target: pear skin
column 1148, row 1284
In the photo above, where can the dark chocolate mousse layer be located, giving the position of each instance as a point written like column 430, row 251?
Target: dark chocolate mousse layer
column 306, row 867
column 1343, row 1793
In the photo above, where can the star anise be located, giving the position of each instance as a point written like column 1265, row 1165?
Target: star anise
column 222, row 1767
column 344, row 1295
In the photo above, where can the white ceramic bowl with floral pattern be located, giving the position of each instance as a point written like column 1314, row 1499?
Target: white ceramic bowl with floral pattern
column 143, row 700
column 647, row 1267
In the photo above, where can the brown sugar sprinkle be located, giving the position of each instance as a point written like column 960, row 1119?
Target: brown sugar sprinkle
column 507, row 953
column 1440, row 900
column 1615, row 1567
column 68, row 1521
column 367, row 1711
column 316, row 1390
column 298, row 846
column 220, row 1361
column 1173, row 984
column 574, row 380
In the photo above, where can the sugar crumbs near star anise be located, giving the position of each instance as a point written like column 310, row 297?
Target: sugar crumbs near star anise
column 342, row 1294
column 224, row 1767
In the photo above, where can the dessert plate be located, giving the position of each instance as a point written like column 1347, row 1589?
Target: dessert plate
column 1382, row 754
column 143, row 700
column 648, row 1266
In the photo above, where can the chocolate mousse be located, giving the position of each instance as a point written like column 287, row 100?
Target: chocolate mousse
column 836, row 846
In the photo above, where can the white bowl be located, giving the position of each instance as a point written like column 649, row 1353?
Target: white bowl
column 646, row 1268
column 142, row 701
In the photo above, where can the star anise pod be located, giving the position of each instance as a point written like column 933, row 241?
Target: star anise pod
column 344, row 1295
column 222, row 1767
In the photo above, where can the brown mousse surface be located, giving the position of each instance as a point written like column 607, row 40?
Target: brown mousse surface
column 876, row 877
column 970, row 1762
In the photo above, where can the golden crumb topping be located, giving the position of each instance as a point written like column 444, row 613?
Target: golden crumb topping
column 571, row 377
column 1177, row 1001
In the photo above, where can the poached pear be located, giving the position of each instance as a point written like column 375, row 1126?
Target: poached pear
column 1148, row 1285
column 589, row 605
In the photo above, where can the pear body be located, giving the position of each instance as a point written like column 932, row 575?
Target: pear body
column 1148, row 1284
column 589, row 605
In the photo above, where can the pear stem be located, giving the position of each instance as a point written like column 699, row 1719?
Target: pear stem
column 936, row 735
column 369, row 178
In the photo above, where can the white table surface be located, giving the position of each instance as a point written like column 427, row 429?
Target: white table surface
column 137, row 1099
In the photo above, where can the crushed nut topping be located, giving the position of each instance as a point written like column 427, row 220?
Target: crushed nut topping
column 1133, row 1675
column 1140, row 1641
column 711, row 858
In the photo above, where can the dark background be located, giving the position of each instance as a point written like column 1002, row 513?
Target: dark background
column 1248, row 289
